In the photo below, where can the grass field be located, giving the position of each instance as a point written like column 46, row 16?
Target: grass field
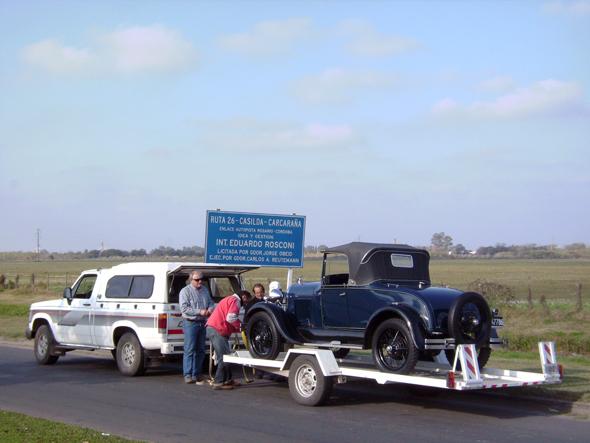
column 556, row 279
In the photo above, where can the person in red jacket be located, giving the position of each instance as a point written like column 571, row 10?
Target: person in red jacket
column 221, row 325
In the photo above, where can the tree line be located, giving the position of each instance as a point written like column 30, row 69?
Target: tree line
column 441, row 246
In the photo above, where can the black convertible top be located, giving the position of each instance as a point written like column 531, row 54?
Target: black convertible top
column 368, row 262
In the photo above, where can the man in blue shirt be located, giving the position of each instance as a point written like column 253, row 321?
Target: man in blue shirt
column 196, row 306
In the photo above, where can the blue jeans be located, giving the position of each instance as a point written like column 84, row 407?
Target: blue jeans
column 194, row 347
column 221, row 346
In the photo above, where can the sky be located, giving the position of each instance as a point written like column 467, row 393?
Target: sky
column 123, row 122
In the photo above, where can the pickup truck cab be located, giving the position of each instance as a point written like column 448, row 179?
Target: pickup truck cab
column 130, row 309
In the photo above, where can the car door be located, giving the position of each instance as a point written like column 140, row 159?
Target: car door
column 75, row 323
column 335, row 306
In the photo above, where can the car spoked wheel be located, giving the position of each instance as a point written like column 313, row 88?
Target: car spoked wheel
column 470, row 320
column 263, row 337
column 393, row 348
column 470, row 323
column 130, row 355
column 307, row 383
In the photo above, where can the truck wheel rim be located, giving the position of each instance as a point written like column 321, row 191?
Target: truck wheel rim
column 307, row 381
column 128, row 354
column 43, row 345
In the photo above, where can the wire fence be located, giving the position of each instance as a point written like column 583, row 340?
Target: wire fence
column 44, row 280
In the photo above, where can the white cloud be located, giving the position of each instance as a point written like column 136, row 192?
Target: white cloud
column 540, row 98
column 368, row 43
column 270, row 39
column 337, row 86
column 501, row 84
column 129, row 51
column 274, row 136
column 574, row 9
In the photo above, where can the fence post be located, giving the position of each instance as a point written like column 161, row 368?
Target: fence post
column 543, row 301
column 16, row 280
column 48, row 281
column 32, row 282
column 579, row 305
column 530, row 299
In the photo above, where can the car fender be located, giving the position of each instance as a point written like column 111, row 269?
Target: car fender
column 284, row 325
column 411, row 317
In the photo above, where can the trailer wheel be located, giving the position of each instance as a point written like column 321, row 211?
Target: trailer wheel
column 130, row 355
column 43, row 342
column 264, row 340
column 308, row 385
column 393, row 348
column 483, row 355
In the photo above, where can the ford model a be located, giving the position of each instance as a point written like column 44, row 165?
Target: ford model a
column 378, row 297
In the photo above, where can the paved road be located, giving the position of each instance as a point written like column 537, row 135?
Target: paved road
column 89, row 391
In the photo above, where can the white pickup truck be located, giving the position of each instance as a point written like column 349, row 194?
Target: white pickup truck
column 130, row 309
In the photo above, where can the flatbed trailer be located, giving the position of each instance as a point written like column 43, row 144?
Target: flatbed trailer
column 313, row 372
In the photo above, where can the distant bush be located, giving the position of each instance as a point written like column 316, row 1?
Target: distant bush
column 494, row 292
column 575, row 246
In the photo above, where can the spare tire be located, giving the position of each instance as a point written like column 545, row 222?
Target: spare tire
column 470, row 320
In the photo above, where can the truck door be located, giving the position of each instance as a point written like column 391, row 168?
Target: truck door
column 76, row 318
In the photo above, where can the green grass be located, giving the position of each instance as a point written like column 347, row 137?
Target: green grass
column 19, row 428
column 14, row 309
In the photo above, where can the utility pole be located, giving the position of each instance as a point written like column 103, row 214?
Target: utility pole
column 38, row 253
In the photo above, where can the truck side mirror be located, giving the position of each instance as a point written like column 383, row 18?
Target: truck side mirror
column 68, row 294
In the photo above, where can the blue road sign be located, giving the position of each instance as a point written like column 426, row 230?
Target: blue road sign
column 239, row 238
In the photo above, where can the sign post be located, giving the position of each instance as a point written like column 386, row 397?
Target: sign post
column 270, row 240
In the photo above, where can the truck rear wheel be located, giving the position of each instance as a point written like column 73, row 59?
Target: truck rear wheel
column 44, row 341
column 308, row 385
column 130, row 355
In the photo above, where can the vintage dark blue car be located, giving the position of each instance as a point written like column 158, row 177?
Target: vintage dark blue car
column 378, row 297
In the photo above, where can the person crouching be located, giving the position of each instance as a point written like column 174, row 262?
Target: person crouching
column 221, row 325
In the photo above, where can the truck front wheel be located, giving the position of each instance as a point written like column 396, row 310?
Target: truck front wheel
column 44, row 341
column 130, row 355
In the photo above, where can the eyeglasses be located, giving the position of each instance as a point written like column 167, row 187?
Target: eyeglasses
column 197, row 279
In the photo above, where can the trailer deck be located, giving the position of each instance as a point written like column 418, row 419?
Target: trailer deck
column 314, row 378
